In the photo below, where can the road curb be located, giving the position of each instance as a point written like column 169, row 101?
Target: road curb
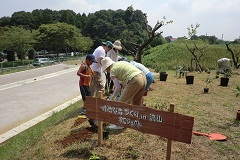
column 9, row 134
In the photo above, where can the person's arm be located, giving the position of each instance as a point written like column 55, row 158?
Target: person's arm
column 117, row 88
column 80, row 70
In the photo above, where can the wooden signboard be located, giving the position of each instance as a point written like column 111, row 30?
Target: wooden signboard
column 170, row 125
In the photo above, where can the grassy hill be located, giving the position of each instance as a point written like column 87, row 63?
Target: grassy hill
column 171, row 55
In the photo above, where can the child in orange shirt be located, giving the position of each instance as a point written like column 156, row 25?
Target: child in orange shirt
column 85, row 73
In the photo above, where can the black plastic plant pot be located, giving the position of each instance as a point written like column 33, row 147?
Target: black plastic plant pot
column 224, row 81
column 205, row 90
column 238, row 115
column 105, row 134
column 163, row 76
column 189, row 79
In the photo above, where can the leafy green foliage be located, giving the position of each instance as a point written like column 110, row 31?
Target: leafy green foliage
column 16, row 39
column 57, row 37
column 127, row 25
column 94, row 157
column 237, row 91
column 175, row 54
column 227, row 73
column 31, row 52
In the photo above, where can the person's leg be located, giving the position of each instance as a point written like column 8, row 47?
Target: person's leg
column 87, row 90
column 83, row 93
column 138, row 97
column 87, row 93
column 135, row 86
column 99, row 83
column 93, row 84
column 96, row 84
column 108, row 79
column 103, row 82
column 111, row 86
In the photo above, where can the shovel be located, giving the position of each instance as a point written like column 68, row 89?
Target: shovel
column 212, row 136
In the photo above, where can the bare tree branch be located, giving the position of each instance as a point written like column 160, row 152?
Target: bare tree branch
column 235, row 59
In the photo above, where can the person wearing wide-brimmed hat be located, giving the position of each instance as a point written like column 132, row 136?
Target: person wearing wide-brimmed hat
column 113, row 54
column 128, row 74
column 97, row 79
column 224, row 64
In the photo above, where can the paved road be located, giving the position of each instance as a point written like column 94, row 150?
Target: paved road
column 28, row 94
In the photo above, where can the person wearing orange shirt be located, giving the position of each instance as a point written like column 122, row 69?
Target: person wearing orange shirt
column 85, row 73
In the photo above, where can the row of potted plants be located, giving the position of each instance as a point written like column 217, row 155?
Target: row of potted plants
column 190, row 79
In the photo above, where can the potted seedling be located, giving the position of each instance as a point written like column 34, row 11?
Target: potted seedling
column 208, row 81
column 94, row 157
column 106, row 132
column 162, row 72
column 189, row 79
column 225, row 79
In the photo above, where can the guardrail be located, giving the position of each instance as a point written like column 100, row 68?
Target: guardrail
column 16, row 66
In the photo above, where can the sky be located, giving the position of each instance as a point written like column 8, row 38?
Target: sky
column 220, row 18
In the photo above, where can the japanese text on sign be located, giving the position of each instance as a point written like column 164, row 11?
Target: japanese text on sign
column 135, row 114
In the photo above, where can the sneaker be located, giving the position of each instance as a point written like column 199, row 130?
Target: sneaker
column 82, row 116
column 113, row 126
column 93, row 122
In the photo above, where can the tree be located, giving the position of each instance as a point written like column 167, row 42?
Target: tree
column 46, row 16
column 196, row 57
column 22, row 18
column 81, row 21
column 17, row 39
column 192, row 35
column 192, row 31
column 67, row 16
column 235, row 56
column 5, row 21
column 151, row 34
column 56, row 37
column 159, row 40
column 81, row 43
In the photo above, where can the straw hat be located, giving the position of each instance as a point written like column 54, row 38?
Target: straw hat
column 106, row 62
column 117, row 45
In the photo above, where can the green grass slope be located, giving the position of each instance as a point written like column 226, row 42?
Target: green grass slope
column 171, row 55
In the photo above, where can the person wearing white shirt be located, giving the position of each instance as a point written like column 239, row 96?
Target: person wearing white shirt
column 113, row 54
column 224, row 64
column 97, row 83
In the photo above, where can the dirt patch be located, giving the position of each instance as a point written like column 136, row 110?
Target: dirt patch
column 78, row 135
column 78, row 121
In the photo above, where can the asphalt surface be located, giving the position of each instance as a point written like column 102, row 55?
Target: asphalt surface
column 28, row 94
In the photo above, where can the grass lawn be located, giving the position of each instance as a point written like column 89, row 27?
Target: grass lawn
column 64, row 136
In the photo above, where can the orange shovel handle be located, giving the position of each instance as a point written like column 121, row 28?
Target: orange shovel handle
column 200, row 134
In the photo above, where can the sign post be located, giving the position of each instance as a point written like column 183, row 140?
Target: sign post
column 100, row 125
column 169, row 142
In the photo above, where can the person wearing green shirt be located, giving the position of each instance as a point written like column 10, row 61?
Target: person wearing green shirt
column 133, row 80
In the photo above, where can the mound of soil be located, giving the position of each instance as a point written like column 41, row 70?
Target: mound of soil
column 78, row 121
column 78, row 135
